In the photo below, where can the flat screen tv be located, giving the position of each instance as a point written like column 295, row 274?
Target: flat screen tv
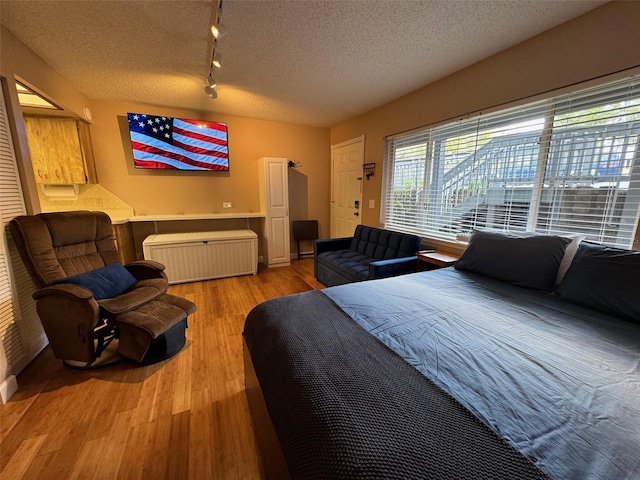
column 178, row 143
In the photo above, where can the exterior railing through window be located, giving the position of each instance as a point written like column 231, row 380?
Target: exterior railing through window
column 576, row 170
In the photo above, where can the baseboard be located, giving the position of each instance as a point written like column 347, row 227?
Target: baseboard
column 8, row 388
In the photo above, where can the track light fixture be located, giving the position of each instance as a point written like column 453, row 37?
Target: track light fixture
column 210, row 87
column 215, row 59
column 217, row 27
column 218, row 30
column 210, row 80
column 211, row 91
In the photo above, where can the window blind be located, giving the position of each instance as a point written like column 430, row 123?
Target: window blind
column 565, row 164
column 12, row 345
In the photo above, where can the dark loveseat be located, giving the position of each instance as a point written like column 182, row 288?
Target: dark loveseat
column 371, row 253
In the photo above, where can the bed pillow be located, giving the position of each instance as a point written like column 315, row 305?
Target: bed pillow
column 530, row 261
column 604, row 279
column 105, row 282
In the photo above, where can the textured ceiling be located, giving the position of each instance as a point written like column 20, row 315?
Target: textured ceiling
column 310, row 62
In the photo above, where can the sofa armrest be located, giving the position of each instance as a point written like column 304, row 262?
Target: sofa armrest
column 146, row 269
column 392, row 267
column 331, row 245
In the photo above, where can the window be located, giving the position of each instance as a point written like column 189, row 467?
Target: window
column 29, row 98
column 566, row 164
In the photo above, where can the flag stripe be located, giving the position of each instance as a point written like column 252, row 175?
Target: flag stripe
column 199, row 136
column 153, row 164
column 209, row 148
column 146, row 152
column 198, row 150
column 201, row 129
column 222, row 127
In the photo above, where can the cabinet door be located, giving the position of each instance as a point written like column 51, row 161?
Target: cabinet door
column 55, row 149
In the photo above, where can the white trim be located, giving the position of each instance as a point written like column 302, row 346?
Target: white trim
column 348, row 142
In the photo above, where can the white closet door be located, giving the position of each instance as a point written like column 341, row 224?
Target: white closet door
column 274, row 187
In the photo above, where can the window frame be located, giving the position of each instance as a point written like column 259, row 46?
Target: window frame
column 428, row 216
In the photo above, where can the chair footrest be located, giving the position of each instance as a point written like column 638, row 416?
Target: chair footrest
column 155, row 317
column 142, row 326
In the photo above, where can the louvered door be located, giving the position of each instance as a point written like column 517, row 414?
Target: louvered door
column 21, row 333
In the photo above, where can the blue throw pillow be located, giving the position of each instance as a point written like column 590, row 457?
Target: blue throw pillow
column 105, row 282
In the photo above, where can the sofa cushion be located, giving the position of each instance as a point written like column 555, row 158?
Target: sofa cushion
column 351, row 264
column 382, row 244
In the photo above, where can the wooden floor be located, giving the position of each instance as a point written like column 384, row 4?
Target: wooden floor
column 184, row 418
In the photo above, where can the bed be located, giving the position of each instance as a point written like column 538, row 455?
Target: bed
column 523, row 362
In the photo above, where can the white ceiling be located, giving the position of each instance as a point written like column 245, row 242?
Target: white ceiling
column 310, row 62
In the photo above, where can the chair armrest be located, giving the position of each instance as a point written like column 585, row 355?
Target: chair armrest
column 392, row 267
column 66, row 290
column 331, row 245
column 146, row 269
column 69, row 314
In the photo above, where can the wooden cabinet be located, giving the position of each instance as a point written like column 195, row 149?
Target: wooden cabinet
column 123, row 238
column 274, row 202
column 60, row 149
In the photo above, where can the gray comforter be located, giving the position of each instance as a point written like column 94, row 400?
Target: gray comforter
column 460, row 376
column 559, row 382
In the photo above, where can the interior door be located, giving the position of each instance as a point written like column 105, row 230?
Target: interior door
column 346, row 186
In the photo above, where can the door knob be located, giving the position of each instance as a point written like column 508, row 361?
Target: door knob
column 357, row 214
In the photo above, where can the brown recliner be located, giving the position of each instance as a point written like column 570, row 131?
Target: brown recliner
column 71, row 255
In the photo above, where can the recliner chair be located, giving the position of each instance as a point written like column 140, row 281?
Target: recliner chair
column 86, row 298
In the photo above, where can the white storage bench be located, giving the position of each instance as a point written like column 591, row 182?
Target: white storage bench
column 189, row 257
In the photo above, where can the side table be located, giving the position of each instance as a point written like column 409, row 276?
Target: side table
column 433, row 260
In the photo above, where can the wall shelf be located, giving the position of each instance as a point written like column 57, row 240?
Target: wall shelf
column 194, row 216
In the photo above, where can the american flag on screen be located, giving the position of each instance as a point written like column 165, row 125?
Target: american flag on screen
column 177, row 143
